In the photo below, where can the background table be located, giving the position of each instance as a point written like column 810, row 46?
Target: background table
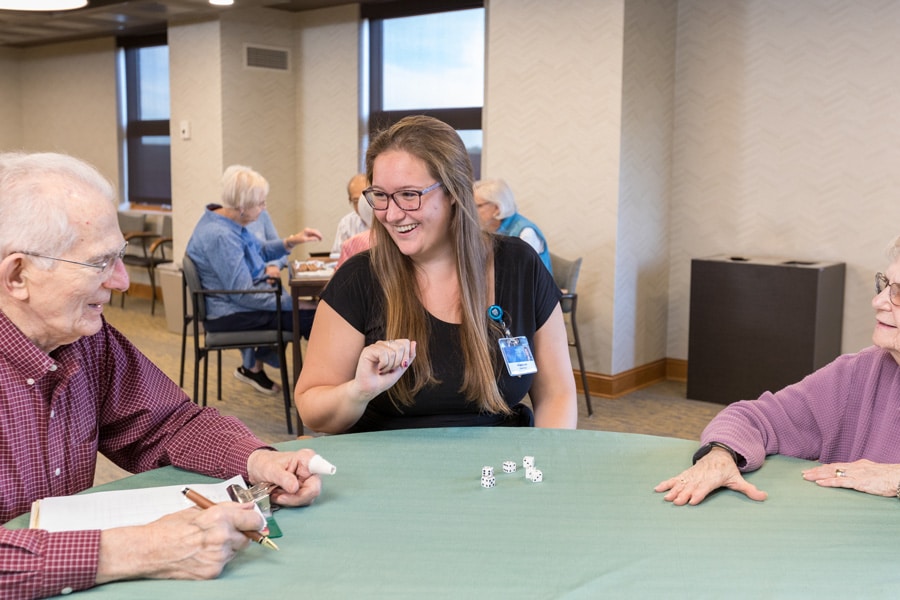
column 405, row 516
column 302, row 287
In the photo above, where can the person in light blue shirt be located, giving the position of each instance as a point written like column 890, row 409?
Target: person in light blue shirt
column 265, row 231
column 498, row 214
column 229, row 256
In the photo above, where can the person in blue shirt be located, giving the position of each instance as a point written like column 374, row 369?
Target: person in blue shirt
column 229, row 256
column 499, row 214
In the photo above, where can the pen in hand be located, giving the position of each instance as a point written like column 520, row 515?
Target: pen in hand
column 204, row 503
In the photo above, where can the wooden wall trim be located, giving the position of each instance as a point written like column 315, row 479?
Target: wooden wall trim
column 614, row 386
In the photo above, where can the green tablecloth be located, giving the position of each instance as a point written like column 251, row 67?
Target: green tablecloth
column 406, row 517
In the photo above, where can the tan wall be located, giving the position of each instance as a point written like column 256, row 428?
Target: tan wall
column 782, row 122
column 786, row 142
column 196, row 96
column 68, row 96
column 258, row 113
column 327, row 51
column 10, row 99
column 552, row 122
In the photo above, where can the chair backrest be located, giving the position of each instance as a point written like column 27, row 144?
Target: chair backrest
column 130, row 223
column 166, row 231
column 192, row 281
column 565, row 273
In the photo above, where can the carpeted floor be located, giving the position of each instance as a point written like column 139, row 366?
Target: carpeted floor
column 660, row 409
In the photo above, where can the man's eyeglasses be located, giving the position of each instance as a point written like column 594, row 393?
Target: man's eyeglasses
column 882, row 282
column 404, row 199
column 103, row 267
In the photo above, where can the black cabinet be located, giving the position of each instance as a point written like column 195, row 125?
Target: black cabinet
column 759, row 324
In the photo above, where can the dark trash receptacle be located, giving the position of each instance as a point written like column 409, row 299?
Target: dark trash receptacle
column 759, row 324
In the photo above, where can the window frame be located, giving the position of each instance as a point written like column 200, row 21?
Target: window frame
column 460, row 118
column 135, row 128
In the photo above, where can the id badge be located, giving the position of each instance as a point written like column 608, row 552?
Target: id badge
column 517, row 355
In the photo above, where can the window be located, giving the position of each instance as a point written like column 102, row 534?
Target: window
column 144, row 73
column 428, row 58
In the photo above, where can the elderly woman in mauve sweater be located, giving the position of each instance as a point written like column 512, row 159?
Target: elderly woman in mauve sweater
column 845, row 415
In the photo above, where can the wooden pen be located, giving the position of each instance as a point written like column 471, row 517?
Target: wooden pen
column 204, row 503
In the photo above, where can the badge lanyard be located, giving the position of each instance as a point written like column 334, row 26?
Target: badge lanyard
column 515, row 350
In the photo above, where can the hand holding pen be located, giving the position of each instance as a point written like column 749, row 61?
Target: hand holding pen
column 204, row 503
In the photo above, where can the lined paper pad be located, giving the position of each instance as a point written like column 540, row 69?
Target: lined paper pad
column 120, row 508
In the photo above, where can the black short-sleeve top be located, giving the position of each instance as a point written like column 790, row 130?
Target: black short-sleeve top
column 524, row 289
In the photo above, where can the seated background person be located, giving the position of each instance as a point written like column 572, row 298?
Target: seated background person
column 402, row 336
column 73, row 386
column 265, row 231
column 360, row 241
column 230, row 257
column 351, row 223
column 498, row 214
column 843, row 415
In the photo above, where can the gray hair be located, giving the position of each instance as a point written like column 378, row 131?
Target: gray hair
column 498, row 193
column 243, row 188
column 35, row 193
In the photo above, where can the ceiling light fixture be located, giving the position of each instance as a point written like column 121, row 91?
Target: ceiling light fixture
column 221, row 2
column 42, row 5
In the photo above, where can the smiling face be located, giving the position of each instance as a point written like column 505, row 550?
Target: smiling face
column 63, row 303
column 421, row 234
column 887, row 316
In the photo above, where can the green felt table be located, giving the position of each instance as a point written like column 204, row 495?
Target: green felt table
column 405, row 516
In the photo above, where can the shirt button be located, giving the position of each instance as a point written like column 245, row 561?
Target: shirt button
column 52, row 413
column 52, row 367
column 57, row 472
column 29, row 381
column 65, row 590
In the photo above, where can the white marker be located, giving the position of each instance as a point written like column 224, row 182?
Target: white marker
column 320, row 466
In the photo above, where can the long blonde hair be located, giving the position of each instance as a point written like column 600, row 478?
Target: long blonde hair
column 443, row 152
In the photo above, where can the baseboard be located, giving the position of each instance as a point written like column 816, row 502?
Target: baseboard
column 614, row 386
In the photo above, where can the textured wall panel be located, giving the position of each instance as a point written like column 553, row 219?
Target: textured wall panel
column 551, row 129
column 641, row 273
column 10, row 100
column 196, row 96
column 69, row 102
column 258, row 109
column 326, row 48
column 786, row 141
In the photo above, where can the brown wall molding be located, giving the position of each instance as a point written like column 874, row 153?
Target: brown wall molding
column 614, row 386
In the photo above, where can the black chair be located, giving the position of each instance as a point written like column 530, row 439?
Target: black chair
column 229, row 340
column 565, row 273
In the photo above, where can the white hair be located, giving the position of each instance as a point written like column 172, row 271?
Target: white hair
column 35, row 192
column 498, row 193
column 243, row 188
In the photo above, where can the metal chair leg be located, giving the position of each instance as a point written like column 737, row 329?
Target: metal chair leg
column 584, row 381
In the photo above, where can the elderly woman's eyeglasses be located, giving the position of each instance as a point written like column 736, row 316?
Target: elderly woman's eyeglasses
column 882, row 282
column 104, row 266
column 404, row 199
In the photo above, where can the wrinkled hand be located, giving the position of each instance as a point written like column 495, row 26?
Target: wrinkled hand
column 290, row 471
column 189, row 544
column 715, row 470
column 273, row 272
column 862, row 475
column 307, row 235
column 382, row 364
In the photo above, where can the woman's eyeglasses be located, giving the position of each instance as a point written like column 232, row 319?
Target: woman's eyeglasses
column 404, row 199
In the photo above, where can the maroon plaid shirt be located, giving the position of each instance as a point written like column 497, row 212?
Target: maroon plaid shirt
column 57, row 411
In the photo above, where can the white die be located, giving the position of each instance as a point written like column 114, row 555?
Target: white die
column 537, row 476
column 529, row 472
column 509, row 467
column 528, row 461
column 488, row 482
column 487, row 471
